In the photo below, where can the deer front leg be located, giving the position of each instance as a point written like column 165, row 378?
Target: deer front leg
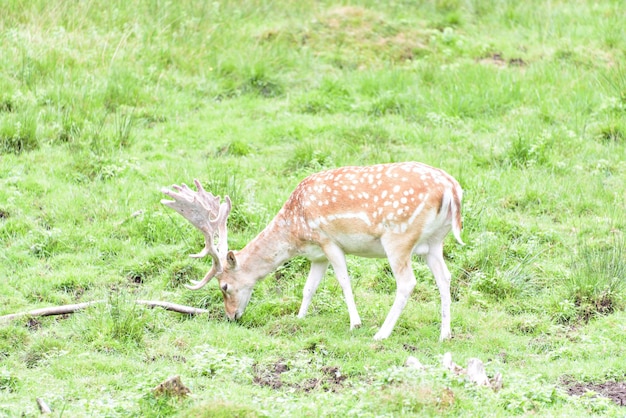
column 337, row 259
column 312, row 282
column 437, row 265
column 405, row 282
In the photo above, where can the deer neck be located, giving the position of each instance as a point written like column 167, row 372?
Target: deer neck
column 267, row 251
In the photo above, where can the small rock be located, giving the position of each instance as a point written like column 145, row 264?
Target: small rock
column 450, row 365
column 447, row 360
column 496, row 382
column 476, row 372
column 413, row 363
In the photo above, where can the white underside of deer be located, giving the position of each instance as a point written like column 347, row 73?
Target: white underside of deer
column 383, row 211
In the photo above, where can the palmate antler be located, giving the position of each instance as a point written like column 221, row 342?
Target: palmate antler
column 206, row 213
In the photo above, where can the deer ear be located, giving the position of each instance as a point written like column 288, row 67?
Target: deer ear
column 231, row 259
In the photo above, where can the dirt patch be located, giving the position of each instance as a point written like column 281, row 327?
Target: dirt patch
column 332, row 381
column 270, row 376
column 410, row 348
column 616, row 391
column 33, row 324
column 498, row 60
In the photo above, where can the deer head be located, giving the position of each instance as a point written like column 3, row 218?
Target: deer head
column 207, row 213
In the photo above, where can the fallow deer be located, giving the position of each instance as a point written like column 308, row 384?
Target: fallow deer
column 385, row 210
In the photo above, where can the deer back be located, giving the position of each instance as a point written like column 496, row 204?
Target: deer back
column 356, row 206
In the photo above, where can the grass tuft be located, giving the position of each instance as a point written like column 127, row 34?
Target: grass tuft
column 308, row 156
column 18, row 134
column 597, row 285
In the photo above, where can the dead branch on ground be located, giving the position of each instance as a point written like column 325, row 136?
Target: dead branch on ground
column 68, row 309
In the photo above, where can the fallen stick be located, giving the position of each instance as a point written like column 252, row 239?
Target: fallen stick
column 67, row 309
column 43, row 406
column 169, row 306
column 54, row 310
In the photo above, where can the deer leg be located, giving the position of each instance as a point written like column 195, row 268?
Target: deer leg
column 312, row 282
column 337, row 259
column 437, row 265
column 405, row 283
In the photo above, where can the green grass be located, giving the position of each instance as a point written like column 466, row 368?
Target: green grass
column 103, row 103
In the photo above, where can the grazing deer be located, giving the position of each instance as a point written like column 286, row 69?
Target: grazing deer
column 386, row 210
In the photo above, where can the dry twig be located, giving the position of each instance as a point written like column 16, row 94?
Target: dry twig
column 67, row 309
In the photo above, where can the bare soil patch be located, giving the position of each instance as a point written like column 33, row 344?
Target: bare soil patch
column 498, row 60
column 270, row 375
column 616, row 391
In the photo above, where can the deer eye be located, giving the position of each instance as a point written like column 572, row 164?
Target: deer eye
column 225, row 287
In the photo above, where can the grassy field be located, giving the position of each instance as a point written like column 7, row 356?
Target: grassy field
column 102, row 103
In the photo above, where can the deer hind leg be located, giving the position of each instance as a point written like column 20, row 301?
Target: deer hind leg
column 337, row 259
column 312, row 282
column 436, row 263
column 405, row 283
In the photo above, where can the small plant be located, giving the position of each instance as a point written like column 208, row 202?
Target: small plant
column 71, row 128
column 11, row 338
column 151, row 406
column 524, row 152
column 496, row 285
column 530, row 400
column 597, row 285
column 563, row 311
column 8, row 381
column 123, row 88
column 6, row 104
column 330, row 97
column 391, row 104
column 91, row 166
column 211, row 362
column 181, row 273
column 123, row 126
column 42, row 351
column 18, row 135
column 235, row 148
column 261, row 85
column 119, row 324
column 613, row 132
column 46, row 242
column 222, row 409
column 308, row 156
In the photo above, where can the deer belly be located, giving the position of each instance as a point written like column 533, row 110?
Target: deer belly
column 362, row 245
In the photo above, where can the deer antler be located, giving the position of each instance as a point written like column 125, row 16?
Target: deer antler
column 206, row 213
